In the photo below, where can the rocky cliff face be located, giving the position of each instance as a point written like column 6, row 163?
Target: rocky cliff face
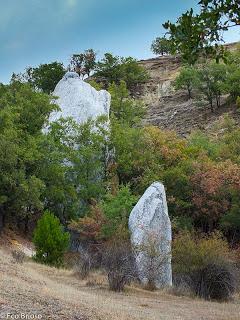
column 172, row 110
column 79, row 100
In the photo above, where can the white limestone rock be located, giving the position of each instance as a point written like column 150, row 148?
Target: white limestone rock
column 79, row 100
column 151, row 237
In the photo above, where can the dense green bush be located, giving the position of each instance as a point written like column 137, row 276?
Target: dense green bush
column 50, row 240
column 116, row 209
column 206, row 263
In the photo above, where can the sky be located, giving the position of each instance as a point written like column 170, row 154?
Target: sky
column 43, row 31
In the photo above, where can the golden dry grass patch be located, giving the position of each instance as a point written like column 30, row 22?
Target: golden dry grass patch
column 59, row 293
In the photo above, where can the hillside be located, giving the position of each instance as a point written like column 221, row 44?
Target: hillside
column 172, row 110
column 58, row 294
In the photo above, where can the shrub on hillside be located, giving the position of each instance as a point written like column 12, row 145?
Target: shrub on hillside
column 207, row 263
column 18, row 256
column 216, row 281
column 50, row 240
column 119, row 263
column 90, row 226
column 83, row 264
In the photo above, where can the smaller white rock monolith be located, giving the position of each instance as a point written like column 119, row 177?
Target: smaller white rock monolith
column 151, row 237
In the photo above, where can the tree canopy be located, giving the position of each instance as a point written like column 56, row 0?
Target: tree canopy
column 44, row 77
column 194, row 35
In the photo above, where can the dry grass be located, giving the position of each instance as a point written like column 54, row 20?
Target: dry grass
column 58, row 294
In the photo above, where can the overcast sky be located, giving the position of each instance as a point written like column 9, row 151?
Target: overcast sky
column 42, row 31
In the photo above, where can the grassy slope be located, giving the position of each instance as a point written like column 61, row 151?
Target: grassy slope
column 58, row 294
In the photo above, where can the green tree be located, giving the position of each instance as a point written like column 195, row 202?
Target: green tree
column 84, row 63
column 114, row 69
column 50, row 240
column 221, row 15
column 89, row 161
column 232, row 85
column 60, row 194
column 187, row 80
column 212, row 78
column 162, row 46
column 124, row 108
column 185, row 37
column 108, row 67
column 23, row 114
column 231, row 220
column 44, row 77
column 81, row 156
column 194, row 35
column 117, row 209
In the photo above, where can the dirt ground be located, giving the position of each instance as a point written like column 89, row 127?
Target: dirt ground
column 31, row 288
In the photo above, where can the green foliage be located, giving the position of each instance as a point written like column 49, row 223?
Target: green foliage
column 23, row 114
column 212, row 78
column 44, row 77
column 116, row 209
column 35, row 172
column 161, row 46
column 233, row 82
column 200, row 144
column 85, row 148
column 83, row 63
column 207, row 263
column 130, row 155
column 177, row 182
column 185, row 36
column 187, row 80
column 200, row 251
column 60, row 194
column 195, row 35
column 126, row 137
column 71, row 166
column 238, row 102
column 114, row 69
column 96, row 85
column 124, row 109
column 180, row 224
column 223, row 15
column 231, row 220
column 50, row 240
column 89, row 161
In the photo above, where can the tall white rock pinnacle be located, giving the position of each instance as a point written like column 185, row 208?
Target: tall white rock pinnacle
column 79, row 100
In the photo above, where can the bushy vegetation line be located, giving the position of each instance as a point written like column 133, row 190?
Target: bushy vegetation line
column 201, row 174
